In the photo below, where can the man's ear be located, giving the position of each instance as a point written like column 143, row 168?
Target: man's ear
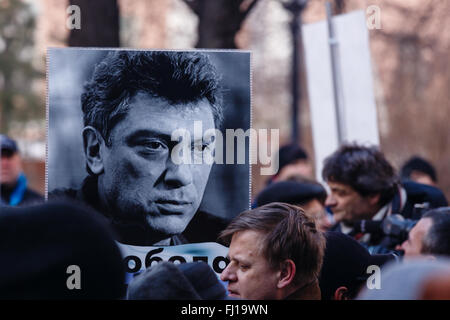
column 374, row 199
column 341, row 293
column 92, row 143
column 287, row 273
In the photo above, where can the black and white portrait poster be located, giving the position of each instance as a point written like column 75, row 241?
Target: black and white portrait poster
column 152, row 140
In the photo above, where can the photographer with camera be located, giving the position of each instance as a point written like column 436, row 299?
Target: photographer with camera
column 430, row 237
column 368, row 201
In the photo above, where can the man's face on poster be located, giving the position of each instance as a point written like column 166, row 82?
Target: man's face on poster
column 140, row 182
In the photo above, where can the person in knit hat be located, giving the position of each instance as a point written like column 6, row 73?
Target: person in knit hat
column 169, row 281
column 307, row 194
column 345, row 266
column 58, row 251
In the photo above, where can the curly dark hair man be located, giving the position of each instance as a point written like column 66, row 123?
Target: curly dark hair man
column 365, row 187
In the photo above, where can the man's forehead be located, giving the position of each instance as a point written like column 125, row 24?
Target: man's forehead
column 337, row 186
column 156, row 115
column 246, row 235
column 246, row 241
column 312, row 205
column 156, row 104
column 423, row 225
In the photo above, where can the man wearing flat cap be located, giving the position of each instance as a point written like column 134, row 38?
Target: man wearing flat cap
column 307, row 194
column 14, row 189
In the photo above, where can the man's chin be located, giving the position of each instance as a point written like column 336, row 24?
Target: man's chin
column 234, row 295
column 8, row 181
column 168, row 224
column 339, row 217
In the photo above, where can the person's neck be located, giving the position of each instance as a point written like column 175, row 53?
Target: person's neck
column 309, row 291
column 165, row 242
column 7, row 188
column 10, row 184
column 101, row 195
column 367, row 216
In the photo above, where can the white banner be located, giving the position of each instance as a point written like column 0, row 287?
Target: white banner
column 356, row 83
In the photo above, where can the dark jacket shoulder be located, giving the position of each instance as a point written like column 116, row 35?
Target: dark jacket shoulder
column 63, row 193
column 418, row 193
column 425, row 193
column 31, row 197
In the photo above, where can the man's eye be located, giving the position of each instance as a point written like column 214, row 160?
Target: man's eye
column 243, row 267
column 153, row 146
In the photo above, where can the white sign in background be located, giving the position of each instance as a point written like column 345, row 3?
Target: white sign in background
column 355, row 76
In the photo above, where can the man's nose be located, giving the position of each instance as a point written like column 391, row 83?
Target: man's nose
column 402, row 246
column 330, row 201
column 228, row 274
column 178, row 175
column 327, row 223
column 5, row 161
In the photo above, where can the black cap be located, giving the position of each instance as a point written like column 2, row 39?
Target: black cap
column 204, row 280
column 163, row 281
column 169, row 281
column 39, row 243
column 292, row 192
column 7, row 143
column 345, row 263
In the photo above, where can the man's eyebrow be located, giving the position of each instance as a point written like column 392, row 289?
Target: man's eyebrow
column 147, row 133
column 240, row 259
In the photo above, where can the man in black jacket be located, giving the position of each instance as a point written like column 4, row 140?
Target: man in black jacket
column 133, row 105
column 14, row 189
column 365, row 190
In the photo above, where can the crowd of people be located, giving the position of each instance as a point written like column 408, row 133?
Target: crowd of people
column 357, row 236
column 296, row 242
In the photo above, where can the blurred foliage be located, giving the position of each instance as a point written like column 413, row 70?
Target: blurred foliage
column 17, row 74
